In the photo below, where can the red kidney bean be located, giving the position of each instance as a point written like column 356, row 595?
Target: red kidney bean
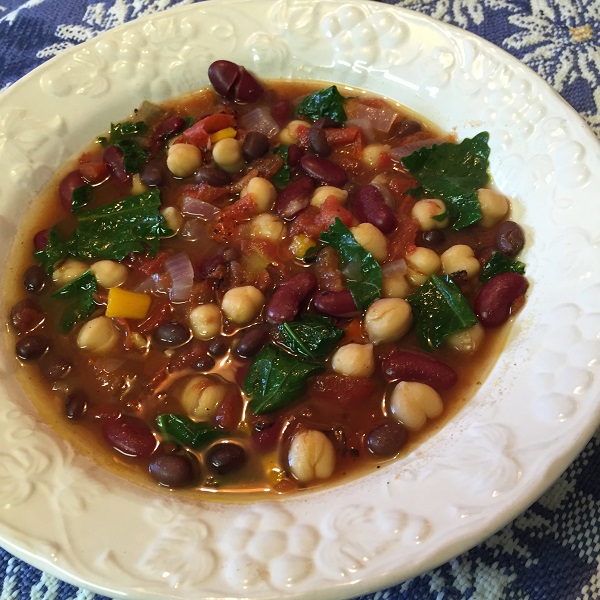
column 370, row 207
column 266, row 433
column 32, row 347
column 233, row 82
column 212, row 175
column 230, row 409
column 225, row 457
column 323, row 170
column 26, row 315
column 294, row 198
column 494, row 299
column 335, row 303
column 282, row 112
column 66, row 187
column 255, row 145
column 387, row 439
column 34, row 279
column 165, row 130
column 406, row 365
column 251, row 340
column 40, row 239
column 407, row 127
column 130, row 436
column 113, row 157
column 317, row 138
column 285, row 302
column 153, row 173
column 295, row 153
column 172, row 470
column 510, row 238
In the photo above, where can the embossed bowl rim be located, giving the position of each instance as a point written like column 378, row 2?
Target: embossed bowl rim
column 531, row 417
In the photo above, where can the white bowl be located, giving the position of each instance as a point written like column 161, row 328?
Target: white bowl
column 534, row 413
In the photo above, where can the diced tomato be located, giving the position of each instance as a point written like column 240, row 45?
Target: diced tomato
column 149, row 264
column 216, row 122
column 330, row 209
column 338, row 136
column 403, row 182
column 227, row 222
column 354, row 332
column 347, row 391
column 203, row 191
column 403, row 240
column 92, row 168
column 199, row 133
column 159, row 311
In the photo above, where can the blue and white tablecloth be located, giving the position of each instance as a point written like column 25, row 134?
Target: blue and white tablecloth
column 552, row 550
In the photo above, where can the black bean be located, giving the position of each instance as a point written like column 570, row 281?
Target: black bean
column 76, row 405
column 34, row 279
column 431, row 238
column 153, row 174
column 171, row 334
column 32, row 347
column 172, row 470
column 387, row 439
column 326, row 122
column 510, row 238
column 26, row 315
column 317, row 139
column 212, row 175
column 255, row 145
column 203, row 363
column 218, row 346
column 225, row 457
column 54, row 367
column 251, row 340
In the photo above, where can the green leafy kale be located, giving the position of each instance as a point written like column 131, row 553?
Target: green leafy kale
column 276, row 379
column 439, row 310
column 186, row 432
column 134, row 156
column 112, row 231
column 310, row 336
column 324, row 103
column 121, row 131
column 122, row 135
column 81, row 197
column 362, row 272
column 80, row 291
column 282, row 178
column 454, row 173
column 499, row 263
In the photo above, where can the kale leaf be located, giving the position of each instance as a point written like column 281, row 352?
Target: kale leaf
column 81, row 292
column 499, row 263
column 281, row 179
column 186, row 432
column 311, row 336
column 324, row 103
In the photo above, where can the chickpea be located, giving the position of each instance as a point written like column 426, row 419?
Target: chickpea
column 227, row 153
column 467, row 340
column 173, row 218
column 356, row 360
column 373, row 154
column 311, row 456
column 422, row 262
column 109, row 273
column 460, row 257
column 494, row 206
column 372, row 240
column 205, row 321
column 289, row 134
column 68, row 270
column 98, row 335
column 183, row 159
column 202, row 396
column 430, row 214
column 387, row 320
column 395, row 285
column 137, row 185
column 412, row 403
column 242, row 304
column 263, row 193
column 325, row 191
column 269, row 226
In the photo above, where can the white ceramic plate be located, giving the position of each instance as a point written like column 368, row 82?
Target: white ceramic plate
column 534, row 413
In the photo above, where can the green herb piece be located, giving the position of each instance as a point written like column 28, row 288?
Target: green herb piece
column 311, row 336
column 362, row 272
column 282, row 178
column 454, row 173
column 186, row 432
column 324, row 103
column 134, row 156
column 81, row 196
column 121, row 131
column 439, row 310
column 81, row 292
column 499, row 263
column 276, row 379
column 57, row 248
column 122, row 136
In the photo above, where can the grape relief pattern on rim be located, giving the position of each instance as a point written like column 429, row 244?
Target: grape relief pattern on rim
column 330, row 542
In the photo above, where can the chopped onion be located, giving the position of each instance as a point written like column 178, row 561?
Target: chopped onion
column 381, row 118
column 397, row 154
column 180, row 270
column 261, row 120
column 198, row 208
column 365, row 126
column 396, row 267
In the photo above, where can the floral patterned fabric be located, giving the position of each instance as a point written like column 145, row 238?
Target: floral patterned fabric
column 552, row 550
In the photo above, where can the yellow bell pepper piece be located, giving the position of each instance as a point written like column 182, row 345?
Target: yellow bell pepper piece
column 301, row 244
column 126, row 304
column 228, row 132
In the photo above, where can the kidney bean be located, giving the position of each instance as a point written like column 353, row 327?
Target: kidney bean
column 370, row 207
column 323, row 170
column 171, row 334
column 165, row 130
column 266, row 433
column 69, row 183
column 251, row 340
column 32, row 347
column 34, row 279
column 40, row 239
column 387, row 439
column 255, row 145
column 285, row 302
column 233, row 82
column 317, row 138
column 153, row 174
column 230, row 409
column 54, row 367
column 294, row 198
column 26, row 315
column 406, row 365
column 172, row 470
column 225, row 457
column 338, row 303
column 113, row 157
column 130, row 436
column 407, row 127
column 510, row 238
column 431, row 238
column 494, row 299
column 76, row 405
column 295, row 153
column 212, row 175
column 282, row 112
